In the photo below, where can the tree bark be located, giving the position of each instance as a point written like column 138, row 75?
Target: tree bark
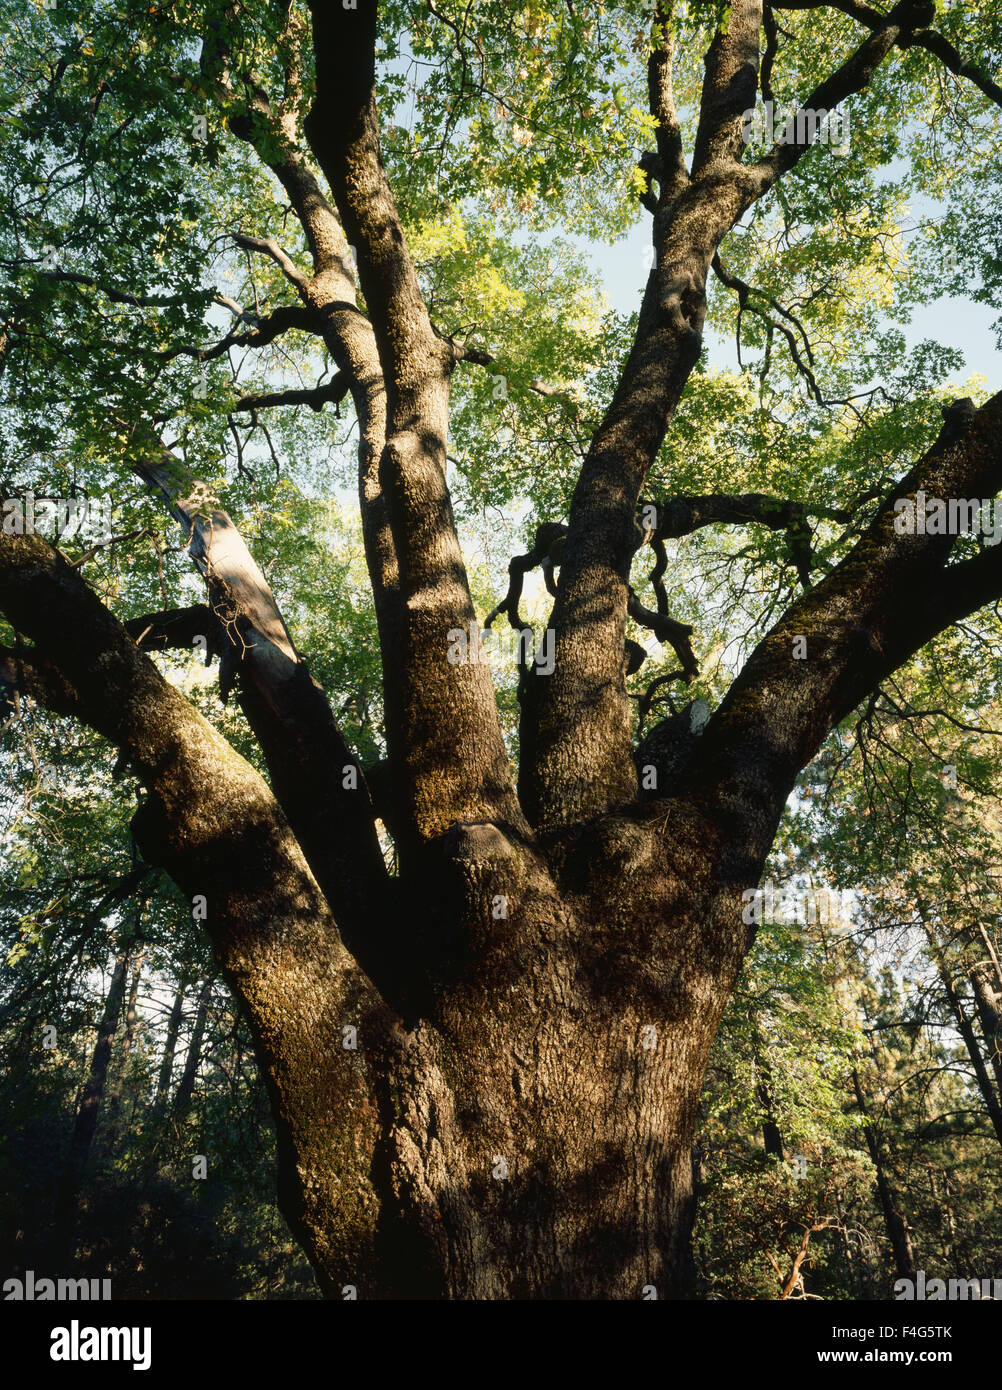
column 989, row 1004
column 485, row 1075
column 186, row 1086
column 212, row 824
column 965, row 1028
column 125, row 1051
column 170, row 1047
column 894, row 1222
column 771, row 1134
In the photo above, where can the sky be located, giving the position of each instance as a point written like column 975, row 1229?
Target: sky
column 956, row 323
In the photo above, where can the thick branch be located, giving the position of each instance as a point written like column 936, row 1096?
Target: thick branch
column 444, row 735
column 887, row 599
column 316, row 397
column 315, row 776
column 211, row 822
column 268, row 246
column 680, row 516
column 729, row 88
column 851, row 77
column 330, row 294
column 948, row 55
column 582, row 756
column 583, row 716
column 265, row 331
column 179, row 628
column 929, row 39
column 683, row 514
column 670, row 169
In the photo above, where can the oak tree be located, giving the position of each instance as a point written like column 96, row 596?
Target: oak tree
column 483, row 966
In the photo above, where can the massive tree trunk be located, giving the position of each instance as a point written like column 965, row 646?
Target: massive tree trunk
column 542, row 1135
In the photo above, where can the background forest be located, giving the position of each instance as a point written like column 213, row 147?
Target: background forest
column 851, row 1126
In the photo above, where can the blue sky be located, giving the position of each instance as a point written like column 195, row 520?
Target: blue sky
column 957, row 323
